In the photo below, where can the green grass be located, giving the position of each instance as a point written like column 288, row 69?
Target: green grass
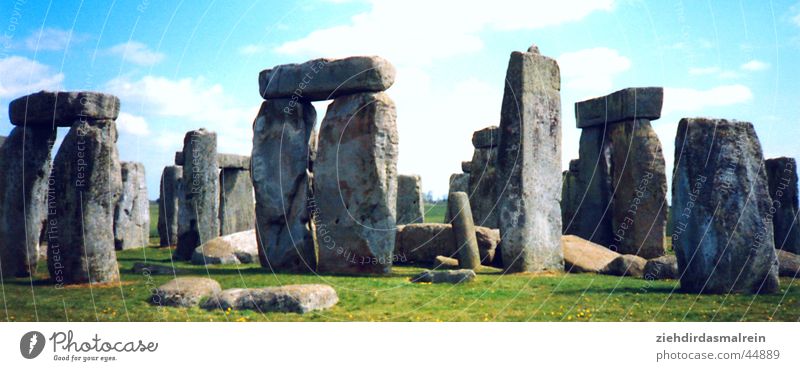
column 153, row 219
column 434, row 212
column 492, row 297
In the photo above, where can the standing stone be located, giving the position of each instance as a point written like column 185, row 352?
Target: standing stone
column 483, row 178
column 720, row 195
column 570, row 197
column 464, row 230
column 198, row 216
column 171, row 191
column 355, row 185
column 280, row 162
column 457, row 183
column 25, row 165
column 594, row 187
column 782, row 178
column 86, row 184
column 132, row 211
column 410, row 207
column 236, row 203
column 529, row 165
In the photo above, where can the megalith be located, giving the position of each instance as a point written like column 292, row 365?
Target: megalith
column 720, row 198
column 483, row 178
column 464, row 231
column 458, row 182
column 410, row 206
column 198, row 214
column 782, row 179
column 529, row 165
column 170, row 194
column 132, row 211
column 236, row 201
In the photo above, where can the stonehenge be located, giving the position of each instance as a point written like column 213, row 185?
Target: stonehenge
column 170, row 194
column 782, row 180
column 459, row 182
column 410, row 206
column 615, row 193
column 198, row 214
column 132, row 211
column 528, row 162
column 720, row 197
column 483, row 178
column 464, row 230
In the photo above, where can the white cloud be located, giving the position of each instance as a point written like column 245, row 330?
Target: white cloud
column 20, row 76
column 251, row 49
column 440, row 29
column 589, row 72
column 700, row 71
column 52, row 39
column 685, row 100
column 755, row 65
column 137, row 53
column 132, row 124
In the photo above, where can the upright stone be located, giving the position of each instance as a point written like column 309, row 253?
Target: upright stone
column 132, row 211
column 594, row 185
column 198, row 216
column 355, row 185
column 723, row 240
column 236, row 202
column 171, row 191
column 570, row 197
column 457, row 183
column 483, row 178
column 464, row 230
column 529, row 165
column 410, row 207
column 24, row 171
column 280, row 171
column 782, row 178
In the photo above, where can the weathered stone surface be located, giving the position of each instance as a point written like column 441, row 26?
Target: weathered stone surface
column 410, row 207
column 355, row 184
column 325, row 78
column 662, row 268
column 291, row 298
column 422, row 243
column 782, row 179
column 623, row 105
column 132, row 210
column 179, row 159
column 721, row 200
column 529, row 165
column 50, row 109
column 788, row 264
column 625, row 265
column 170, row 194
column 463, row 230
column 466, row 166
column 24, row 171
column 154, row 269
column 570, row 196
column 230, row 161
column 483, row 187
column 236, row 248
column 85, row 185
column 582, row 256
column 444, row 262
column 594, row 188
column 281, row 159
column 458, row 183
column 446, row 276
column 236, row 203
column 185, row 291
column 198, row 214
column 639, row 204
column 486, row 138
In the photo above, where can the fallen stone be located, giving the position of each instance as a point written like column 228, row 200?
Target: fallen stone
column 623, row 105
column 788, row 264
column 625, row 265
column 529, row 165
column 237, row 248
column 185, row 291
column 447, row 276
column 721, row 236
column 198, row 216
column 662, row 268
column 422, row 243
column 291, row 298
column 236, row 202
column 51, row 109
column 782, row 179
column 444, row 262
column 355, row 185
column 410, row 207
column 325, row 78
column 132, row 211
column 171, row 191
column 582, row 256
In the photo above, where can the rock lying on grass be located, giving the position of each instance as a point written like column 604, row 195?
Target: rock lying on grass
column 236, row 248
column 292, row 298
column 625, row 265
column 448, row 276
column 423, row 242
column 444, row 262
column 582, row 256
column 788, row 264
column 154, row 269
column 185, row 291
column 662, row 268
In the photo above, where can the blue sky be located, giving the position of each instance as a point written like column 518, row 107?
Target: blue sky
column 181, row 65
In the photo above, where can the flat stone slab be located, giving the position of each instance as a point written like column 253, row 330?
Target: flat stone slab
column 444, row 262
column 326, row 78
column 62, row 108
column 662, row 268
column 449, row 276
column 224, row 161
column 422, row 242
column 788, row 264
column 291, row 298
column 622, row 105
column 582, row 256
column 625, row 265
column 185, row 291
column 236, row 248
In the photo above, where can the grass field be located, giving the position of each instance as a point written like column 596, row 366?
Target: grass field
column 492, row 297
